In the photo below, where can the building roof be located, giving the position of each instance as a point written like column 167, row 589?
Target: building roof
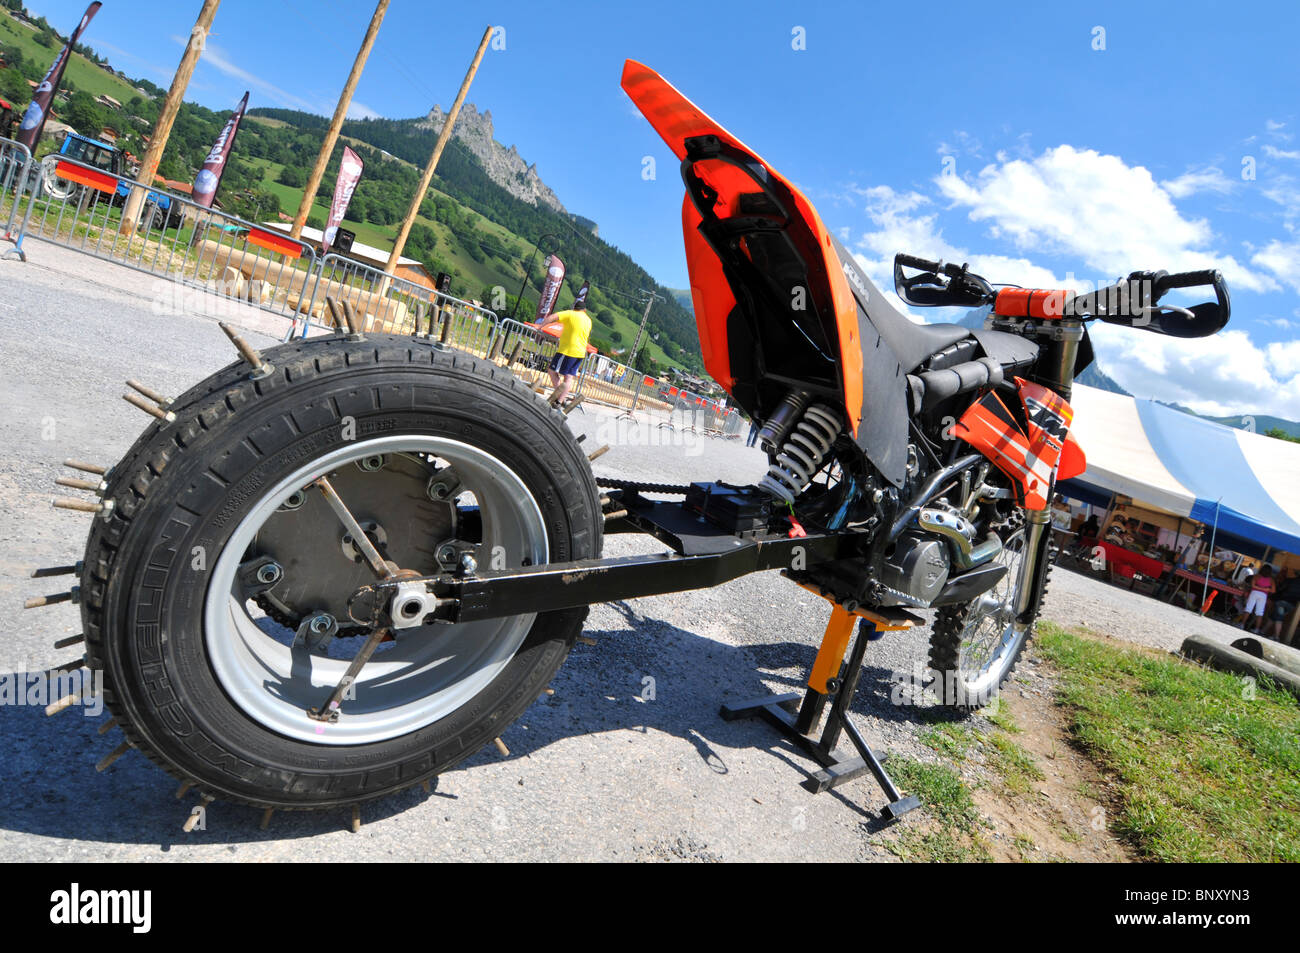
column 368, row 254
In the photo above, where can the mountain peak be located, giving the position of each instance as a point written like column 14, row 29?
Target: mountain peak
column 504, row 166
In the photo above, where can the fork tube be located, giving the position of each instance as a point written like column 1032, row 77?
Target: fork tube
column 1056, row 365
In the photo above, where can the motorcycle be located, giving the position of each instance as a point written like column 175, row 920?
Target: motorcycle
column 334, row 569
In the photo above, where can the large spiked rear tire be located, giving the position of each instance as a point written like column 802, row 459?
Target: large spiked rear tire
column 203, row 698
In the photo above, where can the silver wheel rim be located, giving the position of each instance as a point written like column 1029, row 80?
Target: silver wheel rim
column 428, row 673
column 991, row 635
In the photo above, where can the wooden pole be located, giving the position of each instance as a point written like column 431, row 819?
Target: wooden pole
column 418, row 198
column 167, row 115
column 340, row 114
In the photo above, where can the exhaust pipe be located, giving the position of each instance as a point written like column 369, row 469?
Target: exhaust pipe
column 956, row 530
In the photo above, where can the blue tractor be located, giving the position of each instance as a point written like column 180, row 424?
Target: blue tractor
column 159, row 212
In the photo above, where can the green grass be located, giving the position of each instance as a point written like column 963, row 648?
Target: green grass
column 954, row 837
column 1204, row 772
column 83, row 73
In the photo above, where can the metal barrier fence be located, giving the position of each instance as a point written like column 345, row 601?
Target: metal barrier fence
column 384, row 302
column 70, row 203
column 15, row 165
column 78, row 206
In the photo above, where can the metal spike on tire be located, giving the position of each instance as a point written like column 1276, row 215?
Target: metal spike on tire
column 247, row 352
column 48, row 571
column 103, row 507
column 91, row 485
column 350, row 316
column 615, row 515
column 266, row 818
column 86, row 467
column 112, row 756
column 135, row 400
column 73, row 595
column 598, row 453
column 428, row 788
column 586, row 640
column 501, row 746
column 64, row 642
column 63, row 704
column 571, row 406
column 183, row 789
column 66, row 667
column 356, row 818
column 153, row 395
column 193, row 819
column 108, row 726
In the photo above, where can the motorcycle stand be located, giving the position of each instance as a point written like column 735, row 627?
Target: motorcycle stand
column 799, row 725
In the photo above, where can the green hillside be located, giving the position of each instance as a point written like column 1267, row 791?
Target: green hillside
column 468, row 226
column 81, row 73
column 480, row 254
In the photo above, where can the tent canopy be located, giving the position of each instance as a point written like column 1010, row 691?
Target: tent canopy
column 1246, row 484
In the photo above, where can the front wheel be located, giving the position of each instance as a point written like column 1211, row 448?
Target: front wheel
column 974, row 646
column 219, row 584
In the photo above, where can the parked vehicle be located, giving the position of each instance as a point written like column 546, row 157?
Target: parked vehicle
column 331, row 571
column 159, row 212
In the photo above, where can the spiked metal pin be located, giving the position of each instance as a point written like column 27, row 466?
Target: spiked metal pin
column 253, row 359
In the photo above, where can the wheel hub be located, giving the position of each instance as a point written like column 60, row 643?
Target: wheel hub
column 322, row 564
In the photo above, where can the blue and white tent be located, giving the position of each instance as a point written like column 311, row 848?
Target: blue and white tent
column 1244, row 485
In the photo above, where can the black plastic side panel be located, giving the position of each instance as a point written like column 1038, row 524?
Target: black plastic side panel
column 882, row 431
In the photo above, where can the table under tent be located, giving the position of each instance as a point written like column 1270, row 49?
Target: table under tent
column 1177, row 474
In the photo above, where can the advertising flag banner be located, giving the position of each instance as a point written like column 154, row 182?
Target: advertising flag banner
column 581, row 300
column 350, row 169
column 551, row 289
column 29, row 132
column 209, row 177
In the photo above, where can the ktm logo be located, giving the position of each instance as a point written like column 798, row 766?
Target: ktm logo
column 1051, row 422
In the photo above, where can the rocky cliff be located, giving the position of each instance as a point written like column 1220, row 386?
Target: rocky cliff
column 504, row 165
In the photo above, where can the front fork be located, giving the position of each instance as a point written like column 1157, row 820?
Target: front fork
column 1059, row 344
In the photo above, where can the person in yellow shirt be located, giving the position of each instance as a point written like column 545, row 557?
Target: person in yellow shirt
column 575, row 328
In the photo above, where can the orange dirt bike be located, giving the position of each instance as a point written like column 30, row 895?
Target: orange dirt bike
column 339, row 567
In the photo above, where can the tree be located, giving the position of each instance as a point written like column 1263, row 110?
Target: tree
column 292, row 175
column 1277, row 433
column 83, row 114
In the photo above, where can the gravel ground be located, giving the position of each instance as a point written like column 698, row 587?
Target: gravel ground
column 595, row 771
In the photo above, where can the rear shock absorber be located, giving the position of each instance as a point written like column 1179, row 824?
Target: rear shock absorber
column 802, row 454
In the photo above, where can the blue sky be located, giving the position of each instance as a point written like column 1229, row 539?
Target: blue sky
column 999, row 134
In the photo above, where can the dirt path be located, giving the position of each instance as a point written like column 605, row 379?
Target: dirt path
column 1063, row 814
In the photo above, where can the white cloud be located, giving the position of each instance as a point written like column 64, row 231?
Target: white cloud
column 1282, row 259
column 1078, row 202
column 1210, row 179
column 1223, row 375
column 216, row 57
column 359, row 110
column 1273, row 152
column 896, row 230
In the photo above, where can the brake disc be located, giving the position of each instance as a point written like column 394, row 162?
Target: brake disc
column 321, row 563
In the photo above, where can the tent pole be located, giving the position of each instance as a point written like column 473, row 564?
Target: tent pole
column 1205, row 587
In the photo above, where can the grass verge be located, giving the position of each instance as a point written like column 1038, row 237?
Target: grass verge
column 1206, row 765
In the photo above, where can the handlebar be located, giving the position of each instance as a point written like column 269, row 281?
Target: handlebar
column 1187, row 279
column 1134, row 301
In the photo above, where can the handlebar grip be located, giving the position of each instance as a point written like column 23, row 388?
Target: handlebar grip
column 911, row 261
column 1187, row 279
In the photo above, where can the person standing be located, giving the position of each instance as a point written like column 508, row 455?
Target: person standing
column 575, row 329
column 1261, row 588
